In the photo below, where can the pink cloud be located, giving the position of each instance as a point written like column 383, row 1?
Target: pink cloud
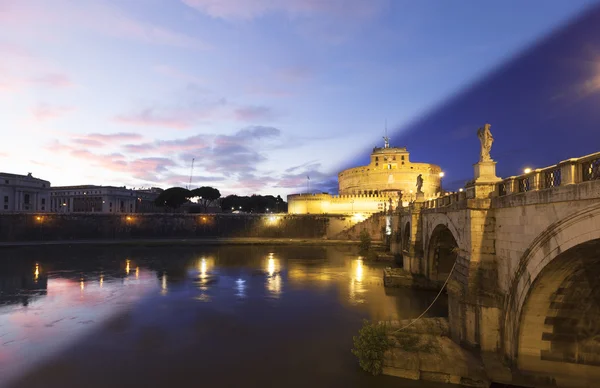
column 45, row 111
column 148, row 117
column 104, row 139
column 52, row 80
column 196, row 143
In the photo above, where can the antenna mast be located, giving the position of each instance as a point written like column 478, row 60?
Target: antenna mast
column 191, row 174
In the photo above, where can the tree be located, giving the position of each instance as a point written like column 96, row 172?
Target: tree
column 173, row 197
column 207, row 196
column 370, row 346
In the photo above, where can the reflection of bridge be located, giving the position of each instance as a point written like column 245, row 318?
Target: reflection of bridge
column 526, row 284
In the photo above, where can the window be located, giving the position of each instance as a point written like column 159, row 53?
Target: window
column 6, row 181
column 43, row 207
column 394, row 158
column 402, row 157
column 377, row 158
column 389, row 166
column 5, row 207
column 110, row 204
column 43, row 201
column 6, row 199
column 26, row 199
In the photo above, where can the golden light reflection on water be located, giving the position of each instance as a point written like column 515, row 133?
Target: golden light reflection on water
column 36, row 273
column 357, row 289
column 359, row 270
column 81, row 284
column 127, row 262
column 274, row 276
column 137, row 272
column 101, row 280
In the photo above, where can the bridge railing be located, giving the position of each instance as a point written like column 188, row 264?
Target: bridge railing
column 445, row 200
column 567, row 172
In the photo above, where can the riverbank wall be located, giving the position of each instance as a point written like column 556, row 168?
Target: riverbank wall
column 58, row 227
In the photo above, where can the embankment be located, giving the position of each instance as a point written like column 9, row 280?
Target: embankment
column 61, row 227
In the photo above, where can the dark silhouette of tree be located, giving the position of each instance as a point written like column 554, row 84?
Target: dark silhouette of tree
column 207, row 196
column 173, row 197
column 254, row 204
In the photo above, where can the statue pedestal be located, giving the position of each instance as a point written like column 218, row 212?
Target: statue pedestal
column 485, row 172
column 420, row 197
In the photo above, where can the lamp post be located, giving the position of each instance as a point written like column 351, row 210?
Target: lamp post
column 441, row 187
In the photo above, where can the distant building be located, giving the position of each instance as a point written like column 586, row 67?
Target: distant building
column 375, row 187
column 102, row 199
column 23, row 193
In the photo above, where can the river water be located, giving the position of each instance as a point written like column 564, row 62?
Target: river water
column 166, row 316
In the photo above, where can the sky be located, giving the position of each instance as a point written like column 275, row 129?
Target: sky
column 263, row 93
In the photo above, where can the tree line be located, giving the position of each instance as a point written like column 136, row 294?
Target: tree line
column 209, row 197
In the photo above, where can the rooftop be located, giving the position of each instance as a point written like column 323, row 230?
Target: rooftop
column 28, row 176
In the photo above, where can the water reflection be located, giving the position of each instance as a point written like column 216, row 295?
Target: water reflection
column 240, row 286
column 49, row 298
column 273, row 280
column 357, row 289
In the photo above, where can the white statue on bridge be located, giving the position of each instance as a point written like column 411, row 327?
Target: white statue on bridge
column 485, row 137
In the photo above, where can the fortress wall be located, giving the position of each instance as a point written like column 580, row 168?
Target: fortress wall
column 51, row 227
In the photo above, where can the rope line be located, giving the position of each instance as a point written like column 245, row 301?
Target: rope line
column 436, row 298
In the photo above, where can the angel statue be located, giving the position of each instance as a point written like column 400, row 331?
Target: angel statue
column 419, row 183
column 486, row 139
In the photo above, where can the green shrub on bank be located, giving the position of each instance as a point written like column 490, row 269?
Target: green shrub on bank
column 370, row 346
column 365, row 241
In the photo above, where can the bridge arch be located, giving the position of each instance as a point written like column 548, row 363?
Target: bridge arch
column 442, row 252
column 552, row 314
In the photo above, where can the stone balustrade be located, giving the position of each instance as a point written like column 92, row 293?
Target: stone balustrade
column 567, row 172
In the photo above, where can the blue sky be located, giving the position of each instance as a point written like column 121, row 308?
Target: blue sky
column 261, row 93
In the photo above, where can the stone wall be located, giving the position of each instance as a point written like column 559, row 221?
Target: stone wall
column 37, row 227
column 374, row 225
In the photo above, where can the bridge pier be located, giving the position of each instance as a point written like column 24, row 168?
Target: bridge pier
column 412, row 244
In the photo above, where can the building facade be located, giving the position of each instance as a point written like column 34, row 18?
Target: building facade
column 102, row 199
column 23, row 193
column 389, row 176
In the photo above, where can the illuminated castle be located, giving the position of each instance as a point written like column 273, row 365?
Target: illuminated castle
column 367, row 189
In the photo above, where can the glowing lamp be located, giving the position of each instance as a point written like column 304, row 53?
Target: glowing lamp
column 527, row 170
column 461, row 189
column 441, row 174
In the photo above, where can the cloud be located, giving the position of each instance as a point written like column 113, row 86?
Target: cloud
column 53, row 80
column 147, row 168
column 194, row 109
column 105, row 139
column 196, row 143
column 247, row 10
column 253, row 113
column 64, row 16
column 44, row 111
column 149, row 117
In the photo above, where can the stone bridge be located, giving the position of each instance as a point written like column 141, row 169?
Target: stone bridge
column 526, row 258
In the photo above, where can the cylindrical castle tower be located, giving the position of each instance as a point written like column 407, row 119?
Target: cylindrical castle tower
column 390, row 170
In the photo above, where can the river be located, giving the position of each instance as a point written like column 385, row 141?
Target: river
column 230, row 316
